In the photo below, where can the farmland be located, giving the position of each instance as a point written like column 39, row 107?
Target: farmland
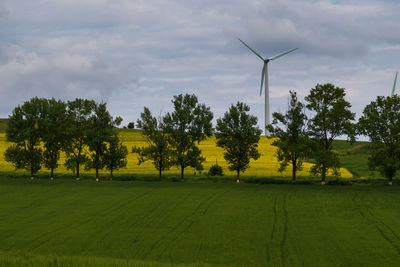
column 152, row 224
column 197, row 223
column 266, row 166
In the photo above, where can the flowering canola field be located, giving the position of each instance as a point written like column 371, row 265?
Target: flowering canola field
column 266, row 166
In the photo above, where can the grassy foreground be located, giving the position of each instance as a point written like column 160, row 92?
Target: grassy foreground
column 70, row 223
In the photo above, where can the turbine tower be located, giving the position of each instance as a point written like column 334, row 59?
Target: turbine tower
column 264, row 74
column 394, row 84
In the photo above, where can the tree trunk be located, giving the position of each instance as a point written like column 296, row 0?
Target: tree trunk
column 51, row 173
column 111, row 174
column 390, row 181
column 159, row 173
column 237, row 176
column 294, row 171
column 323, row 174
column 182, row 170
column 97, row 174
column 32, row 175
column 77, row 170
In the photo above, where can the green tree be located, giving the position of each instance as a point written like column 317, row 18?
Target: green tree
column 115, row 156
column 157, row 149
column 25, row 128
column 99, row 132
column 54, row 133
column 291, row 136
column 131, row 125
column 78, row 114
column 188, row 125
column 238, row 134
column 381, row 123
column 332, row 118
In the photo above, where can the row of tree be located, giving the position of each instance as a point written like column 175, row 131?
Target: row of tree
column 41, row 128
column 300, row 137
column 172, row 140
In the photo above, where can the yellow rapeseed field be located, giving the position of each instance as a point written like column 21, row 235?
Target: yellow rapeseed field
column 266, row 166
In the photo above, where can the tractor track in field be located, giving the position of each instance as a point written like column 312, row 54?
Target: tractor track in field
column 192, row 217
column 165, row 235
column 383, row 223
column 44, row 238
column 186, row 196
column 375, row 222
column 285, row 227
column 155, row 207
column 119, row 207
column 272, row 232
column 282, row 213
column 35, row 203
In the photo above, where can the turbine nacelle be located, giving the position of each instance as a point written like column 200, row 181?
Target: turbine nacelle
column 266, row 60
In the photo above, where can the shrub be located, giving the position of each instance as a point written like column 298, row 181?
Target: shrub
column 215, row 170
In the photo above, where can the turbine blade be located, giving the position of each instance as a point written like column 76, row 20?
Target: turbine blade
column 254, row 51
column 394, row 84
column 282, row 54
column 262, row 78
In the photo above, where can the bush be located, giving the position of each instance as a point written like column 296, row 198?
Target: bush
column 131, row 125
column 215, row 170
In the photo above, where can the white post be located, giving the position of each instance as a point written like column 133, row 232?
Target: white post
column 267, row 117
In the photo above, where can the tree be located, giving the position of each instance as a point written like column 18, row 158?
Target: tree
column 291, row 138
column 332, row 118
column 78, row 114
column 54, row 133
column 25, row 128
column 115, row 156
column 99, row 132
column 131, row 125
column 157, row 150
column 238, row 134
column 381, row 123
column 188, row 125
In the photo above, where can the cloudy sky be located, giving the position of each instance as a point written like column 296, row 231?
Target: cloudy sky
column 136, row 53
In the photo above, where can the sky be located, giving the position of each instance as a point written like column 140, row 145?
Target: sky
column 137, row 53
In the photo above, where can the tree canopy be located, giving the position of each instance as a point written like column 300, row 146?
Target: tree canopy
column 25, row 127
column 158, row 149
column 237, row 133
column 78, row 114
column 331, row 118
column 188, row 125
column 381, row 123
column 290, row 135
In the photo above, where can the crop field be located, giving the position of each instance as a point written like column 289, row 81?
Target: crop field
column 266, row 166
column 123, row 223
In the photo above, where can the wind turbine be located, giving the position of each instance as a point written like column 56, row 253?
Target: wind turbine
column 394, row 84
column 264, row 74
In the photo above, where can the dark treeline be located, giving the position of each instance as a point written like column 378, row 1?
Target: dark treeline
column 85, row 131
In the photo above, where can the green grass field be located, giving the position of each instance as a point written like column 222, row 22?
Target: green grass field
column 70, row 223
column 201, row 222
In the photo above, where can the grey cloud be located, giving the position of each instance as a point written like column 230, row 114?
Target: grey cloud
column 137, row 53
column 27, row 74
